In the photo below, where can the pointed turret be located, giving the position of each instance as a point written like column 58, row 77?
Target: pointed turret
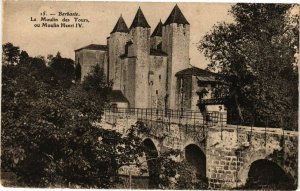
column 158, row 30
column 176, row 16
column 116, row 48
column 140, row 58
column 120, row 26
column 139, row 20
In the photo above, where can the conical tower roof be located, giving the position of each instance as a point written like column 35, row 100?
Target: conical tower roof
column 139, row 20
column 158, row 30
column 120, row 26
column 176, row 16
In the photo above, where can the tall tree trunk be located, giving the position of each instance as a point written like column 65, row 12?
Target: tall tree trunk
column 238, row 106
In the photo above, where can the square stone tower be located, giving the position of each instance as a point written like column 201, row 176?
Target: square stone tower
column 175, row 42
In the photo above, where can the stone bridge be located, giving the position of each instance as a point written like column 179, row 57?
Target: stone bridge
column 230, row 156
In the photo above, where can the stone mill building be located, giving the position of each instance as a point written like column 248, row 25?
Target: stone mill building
column 149, row 70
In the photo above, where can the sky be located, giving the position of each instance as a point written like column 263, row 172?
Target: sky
column 19, row 29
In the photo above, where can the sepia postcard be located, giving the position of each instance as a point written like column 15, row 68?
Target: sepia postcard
column 149, row 95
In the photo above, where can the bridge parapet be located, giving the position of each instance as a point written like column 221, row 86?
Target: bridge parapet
column 232, row 149
column 167, row 130
column 173, row 127
column 188, row 117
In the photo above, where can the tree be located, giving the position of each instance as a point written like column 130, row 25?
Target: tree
column 49, row 59
column 37, row 62
column 255, row 57
column 24, row 57
column 187, row 178
column 10, row 54
column 64, row 69
column 50, row 135
column 96, row 84
column 58, row 55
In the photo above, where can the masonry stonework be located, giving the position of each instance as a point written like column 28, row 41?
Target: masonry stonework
column 88, row 58
column 154, row 73
column 155, row 41
column 176, row 39
column 194, row 94
column 141, row 44
column 229, row 150
column 157, row 81
column 116, row 48
column 129, row 86
column 134, row 60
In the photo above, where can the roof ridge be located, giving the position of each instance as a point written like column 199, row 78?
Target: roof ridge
column 93, row 47
column 195, row 70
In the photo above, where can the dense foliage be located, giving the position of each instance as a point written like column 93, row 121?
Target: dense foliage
column 97, row 84
column 256, row 58
column 178, row 174
column 49, row 136
column 63, row 68
column 10, row 54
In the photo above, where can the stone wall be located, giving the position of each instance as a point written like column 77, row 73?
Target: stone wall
column 183, row 92
column 129, row 80
column 168, row 135
column 89, row 58
column 116, row 48
column 186, row 93
column 164, row 133
column 194, row 95
column 231, row 150
column 141, row 50
column 124, row 64
column 175, row 42
column 157, row 75
column 154, row 41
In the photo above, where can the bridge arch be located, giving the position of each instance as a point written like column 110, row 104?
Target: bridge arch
column 188, row 143
column 153, row 140
column 266, row 174
column 151, row 153
column 196, row 158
